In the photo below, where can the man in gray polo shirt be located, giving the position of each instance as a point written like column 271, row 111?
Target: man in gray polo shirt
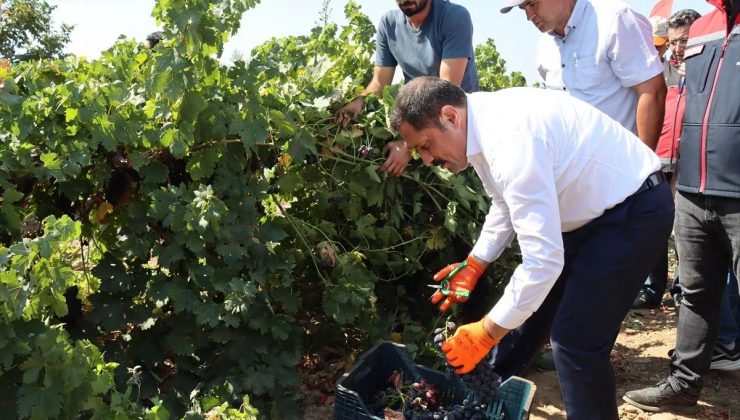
column 424, row 38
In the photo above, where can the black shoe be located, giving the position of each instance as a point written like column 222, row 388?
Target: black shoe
column 661, row 397
column 724, row 358
column 644, row 302
column 545, row 361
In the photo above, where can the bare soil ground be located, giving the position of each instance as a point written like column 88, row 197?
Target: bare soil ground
column 640, row 359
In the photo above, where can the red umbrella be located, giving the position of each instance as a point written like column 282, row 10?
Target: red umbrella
column 662, row 8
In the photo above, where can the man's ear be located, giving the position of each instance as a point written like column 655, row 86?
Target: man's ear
column 450, row 114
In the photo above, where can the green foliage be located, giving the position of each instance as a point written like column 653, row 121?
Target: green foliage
column 51, row 375
column 26, row 32
column 212, row 408
column 35, row 273
column 492, row 69
column 214, row 220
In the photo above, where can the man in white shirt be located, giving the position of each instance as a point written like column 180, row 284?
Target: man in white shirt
column 601, row 51
column 587, row 202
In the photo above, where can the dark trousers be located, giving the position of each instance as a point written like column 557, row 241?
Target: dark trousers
column 655, row 284
column 707, row 236
column 606, row 262
column 729, row 326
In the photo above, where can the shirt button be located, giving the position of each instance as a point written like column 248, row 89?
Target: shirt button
column 563, row 87
column 562, row 65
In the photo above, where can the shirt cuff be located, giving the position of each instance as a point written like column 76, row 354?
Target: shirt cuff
column 507, row 316
column 486, row 250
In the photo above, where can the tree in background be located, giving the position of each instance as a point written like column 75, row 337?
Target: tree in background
column 492, row 69
column 27, row 32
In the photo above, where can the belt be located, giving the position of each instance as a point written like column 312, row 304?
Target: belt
column 654, row 179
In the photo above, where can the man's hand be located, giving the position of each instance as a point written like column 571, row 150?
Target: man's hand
column 399, row 156
column 464, row 280
column 470, row 344
column 347, row 113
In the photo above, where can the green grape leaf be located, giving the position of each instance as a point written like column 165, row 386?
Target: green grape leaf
column 451, row 217
column 301, row 146
column 38, row 402
column 372, row 172
column 252, row 131
column 202, row 163
column 70, row 114
column 154, row 173
column 365, row 225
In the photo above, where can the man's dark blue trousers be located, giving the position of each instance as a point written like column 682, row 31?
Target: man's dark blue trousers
column 606, row 262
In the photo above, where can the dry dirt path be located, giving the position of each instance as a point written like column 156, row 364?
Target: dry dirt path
column 640, row 359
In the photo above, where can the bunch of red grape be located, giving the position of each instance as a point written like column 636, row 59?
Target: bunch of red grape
column 422, row 401
column 482, row 381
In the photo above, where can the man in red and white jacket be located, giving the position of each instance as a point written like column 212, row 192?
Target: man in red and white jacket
column 678, row 32
column 707, row 224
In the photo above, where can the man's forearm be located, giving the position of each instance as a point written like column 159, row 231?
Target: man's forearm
column 650, row 110
column 453, row 69
column 373, row 87
column 382, row 76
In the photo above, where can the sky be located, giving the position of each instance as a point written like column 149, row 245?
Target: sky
column 98, row 23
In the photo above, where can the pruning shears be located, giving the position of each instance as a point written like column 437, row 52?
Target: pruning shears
column 444, row 286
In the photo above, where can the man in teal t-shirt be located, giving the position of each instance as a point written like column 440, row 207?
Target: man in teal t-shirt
column 424, row 38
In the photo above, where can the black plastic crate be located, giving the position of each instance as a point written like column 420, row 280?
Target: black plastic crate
column 371, row 371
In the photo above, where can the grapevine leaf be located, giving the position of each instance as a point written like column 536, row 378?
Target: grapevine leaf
column 451, row 217
column 157, row 412
column 282, row 122
column 202, row 163
column 252, row 131
column 168, row 137
column 10, row 217
column 38, row 402
column 70, row 114
column 271, row 232
column 208, row 314
column 11, row 195
column 180, row 343
column 372, row 172
column 437, row 240
column 288, row 183
column 192, row 105
column 154, row 173
column 52, row 164
column 301, row 146
column 365, row 225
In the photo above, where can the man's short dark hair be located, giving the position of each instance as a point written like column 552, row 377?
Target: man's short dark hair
column 682, row 18
column 153, row 39
column 419, row 102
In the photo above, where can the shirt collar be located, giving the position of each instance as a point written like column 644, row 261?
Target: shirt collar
column 576, row 16
column 473, row 142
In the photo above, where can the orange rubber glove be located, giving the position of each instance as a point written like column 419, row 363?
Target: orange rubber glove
column 470, row 344
column 464, row 281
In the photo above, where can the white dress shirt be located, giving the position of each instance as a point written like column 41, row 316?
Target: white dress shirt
column 607, row 49
column 550, row 163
